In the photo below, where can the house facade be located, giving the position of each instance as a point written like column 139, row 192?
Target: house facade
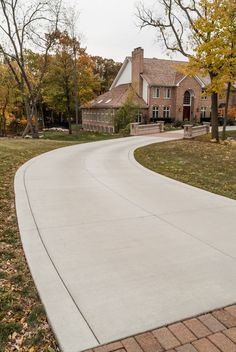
column 159, row 89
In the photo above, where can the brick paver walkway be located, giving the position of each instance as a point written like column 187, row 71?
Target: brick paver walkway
column 212, row 332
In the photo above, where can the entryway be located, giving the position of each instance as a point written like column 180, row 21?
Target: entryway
column 187, row 104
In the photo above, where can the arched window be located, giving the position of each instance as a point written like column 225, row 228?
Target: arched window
column 187, row 98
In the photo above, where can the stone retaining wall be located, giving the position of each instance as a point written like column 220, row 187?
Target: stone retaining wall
column 190, row 131
column 139, row 130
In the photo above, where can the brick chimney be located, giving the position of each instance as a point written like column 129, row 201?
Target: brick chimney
column 137, row 70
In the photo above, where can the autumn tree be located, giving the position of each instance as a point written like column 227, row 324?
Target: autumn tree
column 71, row 19
column 216, row 55
column 89, row 82
column 227, row 57
column 60, row 84
column 7, row 94
column 28, row 26
column 193, row 28
column 107, row 69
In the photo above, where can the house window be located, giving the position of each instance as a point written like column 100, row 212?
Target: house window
column 139, row 117
column 156, row 92
column 203, row 112
column 155, row 113
column 204, row 97
column 166, row 112
column 167, row 93
column 187, row 98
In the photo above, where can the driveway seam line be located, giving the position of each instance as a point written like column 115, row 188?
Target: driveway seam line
column 94, row 222
column 60, row 277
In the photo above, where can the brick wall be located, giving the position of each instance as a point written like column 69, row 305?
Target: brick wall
column 176, row 101
column 101, row 120
column 161, row 102
column 190, row 83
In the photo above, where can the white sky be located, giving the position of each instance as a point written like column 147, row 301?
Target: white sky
column 109, row 29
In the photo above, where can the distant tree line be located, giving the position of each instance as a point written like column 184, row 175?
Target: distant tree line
column 45, row 74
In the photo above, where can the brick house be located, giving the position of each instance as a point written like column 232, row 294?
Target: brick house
column 159, row 89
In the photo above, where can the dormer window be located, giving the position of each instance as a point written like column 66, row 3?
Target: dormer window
column 156, row 92
column 108, row 101
column 100, row 101
column 167, row 93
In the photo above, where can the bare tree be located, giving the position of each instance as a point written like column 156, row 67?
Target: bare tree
column 177, row 28
column 28, row 25
column 71, row 19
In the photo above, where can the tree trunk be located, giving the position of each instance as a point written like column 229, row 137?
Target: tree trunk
column 214, row 116
column 36, row 122
column 76, row 95
column 26, row 130
column 3, row 123
column 29, row 127
column 226, row 110
column 4, row 130
column 42, row 114
column 68, row 116
column 69, row 121
column 68, row 107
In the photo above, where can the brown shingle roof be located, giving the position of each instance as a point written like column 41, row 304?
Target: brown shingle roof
column 163, row 72
column 115, row 98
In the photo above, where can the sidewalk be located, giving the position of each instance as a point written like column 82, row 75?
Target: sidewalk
column 212, row 332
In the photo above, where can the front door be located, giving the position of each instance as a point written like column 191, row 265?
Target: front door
column 186, row 112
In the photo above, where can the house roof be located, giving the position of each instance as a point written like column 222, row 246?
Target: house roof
column 166, row 72
column 162, row 72
column 115, row 98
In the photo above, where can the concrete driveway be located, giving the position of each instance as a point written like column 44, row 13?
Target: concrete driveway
column 116, row 249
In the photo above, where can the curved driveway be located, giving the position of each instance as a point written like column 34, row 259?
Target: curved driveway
column 116, row 249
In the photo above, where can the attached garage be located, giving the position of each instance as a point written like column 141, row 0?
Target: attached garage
column 99, row 114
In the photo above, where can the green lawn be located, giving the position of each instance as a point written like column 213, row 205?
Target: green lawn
column 81, row 137
column 22, row 319
column 197, row 162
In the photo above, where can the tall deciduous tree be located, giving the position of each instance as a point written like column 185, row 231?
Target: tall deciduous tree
column 60, row 84
column 26, row 25
column 7, row 96
column 194, row 29
column 71, row 19
column 107, row 70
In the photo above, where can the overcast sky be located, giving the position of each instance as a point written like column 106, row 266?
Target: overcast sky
column 109, row 29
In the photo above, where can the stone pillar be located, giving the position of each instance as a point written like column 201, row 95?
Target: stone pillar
column 161, row 124
column 134, row 129
column 188, row 131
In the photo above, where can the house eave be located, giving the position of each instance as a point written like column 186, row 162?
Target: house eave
column 127, row 59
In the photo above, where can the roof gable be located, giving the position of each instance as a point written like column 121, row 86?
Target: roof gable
column 199, row 81
column 124, row 74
